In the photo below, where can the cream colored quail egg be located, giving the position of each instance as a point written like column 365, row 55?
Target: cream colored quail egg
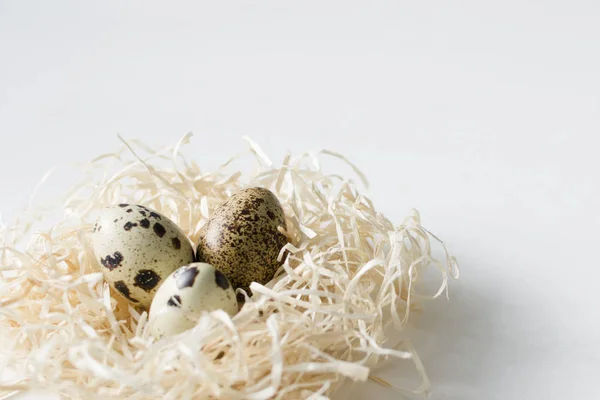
column 137, row 248
column 186, row 294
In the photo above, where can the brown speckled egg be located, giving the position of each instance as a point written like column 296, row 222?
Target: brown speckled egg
column 137, row 248
column 242, row 239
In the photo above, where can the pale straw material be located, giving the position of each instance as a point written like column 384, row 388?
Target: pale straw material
column 349, row 276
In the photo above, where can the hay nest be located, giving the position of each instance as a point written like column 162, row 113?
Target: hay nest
column 350, row 276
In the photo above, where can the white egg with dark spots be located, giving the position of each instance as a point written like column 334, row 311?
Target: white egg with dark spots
column 137, row 248
column 186, row 294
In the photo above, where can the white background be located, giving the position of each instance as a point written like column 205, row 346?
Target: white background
column 483, row 115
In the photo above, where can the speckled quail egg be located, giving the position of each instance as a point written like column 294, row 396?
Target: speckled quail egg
column 186, row 294
column 138, row 248
column 242, row 237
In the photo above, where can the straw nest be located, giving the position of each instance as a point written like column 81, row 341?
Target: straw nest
column 350, row 276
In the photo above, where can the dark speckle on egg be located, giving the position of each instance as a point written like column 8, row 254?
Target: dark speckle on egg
column 123, row 205
column 129, row 225
column 155, row 215
column 221, row 280
column 159, row 229
column 144, row 210
column 146, row 279
column 174, row 301
column 124, row 290
column 112, row 261
column 176, row 243
column 186, row 277
column 145, row 223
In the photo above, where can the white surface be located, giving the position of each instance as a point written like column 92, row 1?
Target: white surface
column 483, row 115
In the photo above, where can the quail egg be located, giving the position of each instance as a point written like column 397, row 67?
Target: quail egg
column 137, row 248
column 186, row 294
column 242, row 238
